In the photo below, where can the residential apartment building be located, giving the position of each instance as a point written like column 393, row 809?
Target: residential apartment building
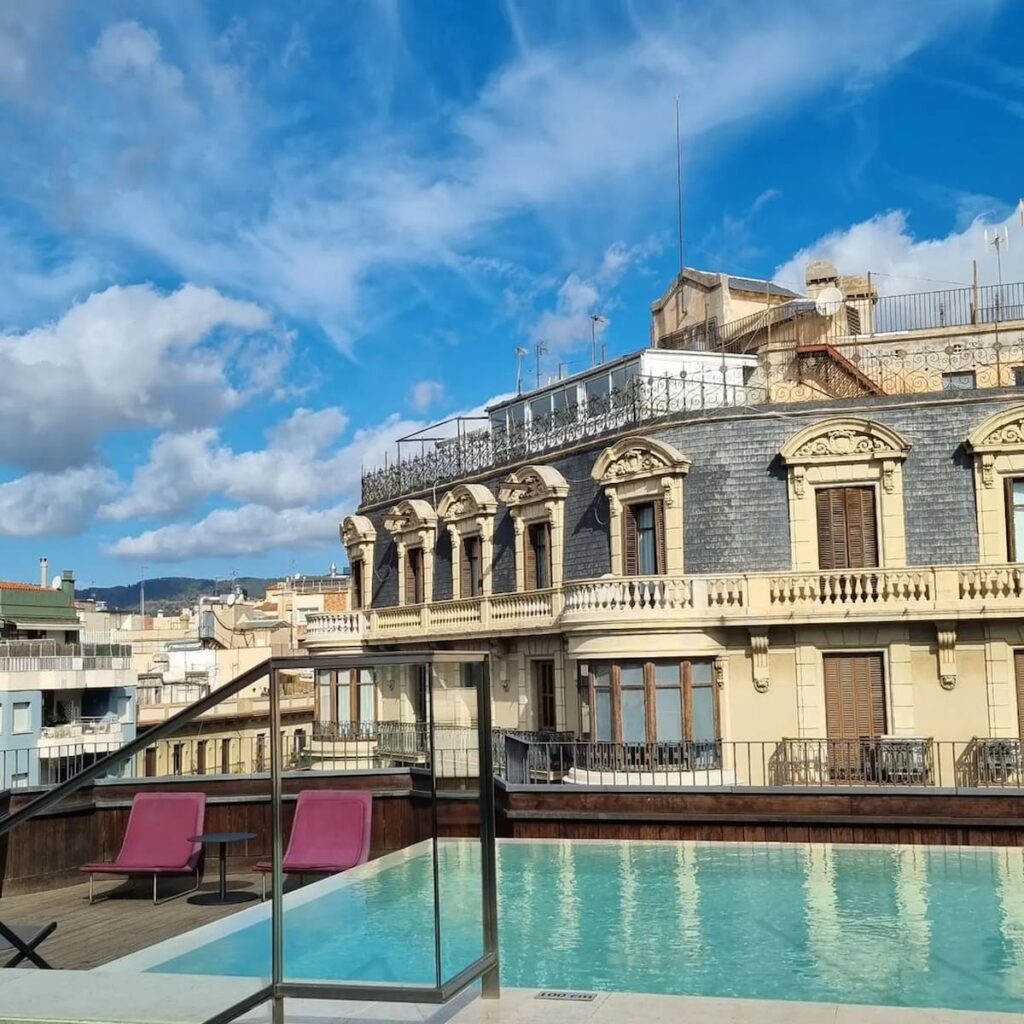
column 227, row 635
column 788, row 544
column 63, row 701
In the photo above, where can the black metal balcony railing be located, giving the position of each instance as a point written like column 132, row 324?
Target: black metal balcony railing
column 883, row 760
column 529, row 760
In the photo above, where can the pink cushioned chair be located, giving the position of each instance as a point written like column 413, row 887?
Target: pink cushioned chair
column 157, row 839
column 330, row 833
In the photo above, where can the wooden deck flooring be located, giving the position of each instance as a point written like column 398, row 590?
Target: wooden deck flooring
column 122, row 923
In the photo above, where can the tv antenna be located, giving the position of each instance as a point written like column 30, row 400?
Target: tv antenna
column 520, row 355
column 539, row 349
column 594, row 321
column 999, row 239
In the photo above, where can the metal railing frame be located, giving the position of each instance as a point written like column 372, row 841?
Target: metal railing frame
column 484, row 969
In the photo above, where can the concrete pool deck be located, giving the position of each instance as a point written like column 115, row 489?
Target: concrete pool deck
column 93, row 997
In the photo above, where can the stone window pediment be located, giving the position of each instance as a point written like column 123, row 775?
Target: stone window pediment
column 638, row 458
column 466, row 501
column 843, row 440
column 410, row 516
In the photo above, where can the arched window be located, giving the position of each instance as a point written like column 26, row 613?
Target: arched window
column 535, row 496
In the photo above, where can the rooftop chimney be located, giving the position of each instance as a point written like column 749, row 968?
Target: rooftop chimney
column 67, row 584
column 44, row 572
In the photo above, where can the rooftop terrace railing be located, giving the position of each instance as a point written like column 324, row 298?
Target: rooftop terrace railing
column 790, row 763
column 867, row 349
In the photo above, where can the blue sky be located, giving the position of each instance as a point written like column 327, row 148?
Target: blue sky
column 247, row 245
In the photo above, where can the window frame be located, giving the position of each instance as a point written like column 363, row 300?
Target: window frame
column 1012, row 554
column 545, row 694
column 538, row 556
column 650, row 687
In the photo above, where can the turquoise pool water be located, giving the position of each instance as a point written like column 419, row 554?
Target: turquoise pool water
column 900, row 926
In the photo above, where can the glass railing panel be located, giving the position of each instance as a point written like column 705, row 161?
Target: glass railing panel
column 143, row 851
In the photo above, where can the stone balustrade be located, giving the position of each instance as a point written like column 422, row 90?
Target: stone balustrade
column 915, row 592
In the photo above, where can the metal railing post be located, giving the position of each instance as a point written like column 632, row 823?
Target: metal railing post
column 277, row 853
column 490, row 987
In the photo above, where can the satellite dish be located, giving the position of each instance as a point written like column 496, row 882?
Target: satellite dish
column 829, row 301
column 57, row 584
column 230, row 599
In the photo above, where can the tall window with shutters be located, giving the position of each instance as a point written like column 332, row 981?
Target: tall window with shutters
column 854, row 696
column 414, row 576
column 538, row 556
column 471, row 568
column 1018, row 670
column 643, row 538
column 847, row 533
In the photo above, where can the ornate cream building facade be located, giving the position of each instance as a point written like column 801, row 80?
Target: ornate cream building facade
column 784, row 563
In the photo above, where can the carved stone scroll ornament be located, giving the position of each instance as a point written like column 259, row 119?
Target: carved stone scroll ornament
column 759, row 653
column 844, row 442
column 945, row 634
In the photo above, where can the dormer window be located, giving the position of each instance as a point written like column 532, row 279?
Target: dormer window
column 535, row 496
column 468, row 512
column 413, row 524
column 643, row 479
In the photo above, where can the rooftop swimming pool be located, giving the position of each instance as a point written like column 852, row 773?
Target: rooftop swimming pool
column 905, row 926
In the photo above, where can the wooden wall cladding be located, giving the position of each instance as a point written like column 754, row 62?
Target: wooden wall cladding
column 854, row 817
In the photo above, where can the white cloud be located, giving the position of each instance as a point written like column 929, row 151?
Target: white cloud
column 248, row 530
column 197, row 465
column 127, row 357
column 184, row 469
column 129, row 54
column 901, row 263
column 317, row 234
column 425, row 393
column 53, row 504
column 568, row 325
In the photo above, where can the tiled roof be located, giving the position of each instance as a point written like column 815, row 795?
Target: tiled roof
column 8, row 585
column 753, row 284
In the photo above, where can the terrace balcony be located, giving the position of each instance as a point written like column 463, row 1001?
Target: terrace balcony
column 924, row 593
column 58, row 666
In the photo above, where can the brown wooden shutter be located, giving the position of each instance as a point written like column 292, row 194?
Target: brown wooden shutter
column 847, row 530
column 1018, row 668
column 465, row 572
column 530, row 559
column 854, row 696
column 861, row 535
column 659, row 537
column 831, row 528
column 629, row 545
column 410, row 585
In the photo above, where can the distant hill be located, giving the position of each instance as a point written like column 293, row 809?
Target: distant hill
column 171, row 593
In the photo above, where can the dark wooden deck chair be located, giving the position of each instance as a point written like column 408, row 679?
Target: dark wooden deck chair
column 22, row 940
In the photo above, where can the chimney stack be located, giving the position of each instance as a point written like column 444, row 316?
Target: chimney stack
column 44, row 572
column 67, row 584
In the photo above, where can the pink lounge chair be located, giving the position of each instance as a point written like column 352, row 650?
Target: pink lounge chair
column 330, row 833
column 157, row 839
